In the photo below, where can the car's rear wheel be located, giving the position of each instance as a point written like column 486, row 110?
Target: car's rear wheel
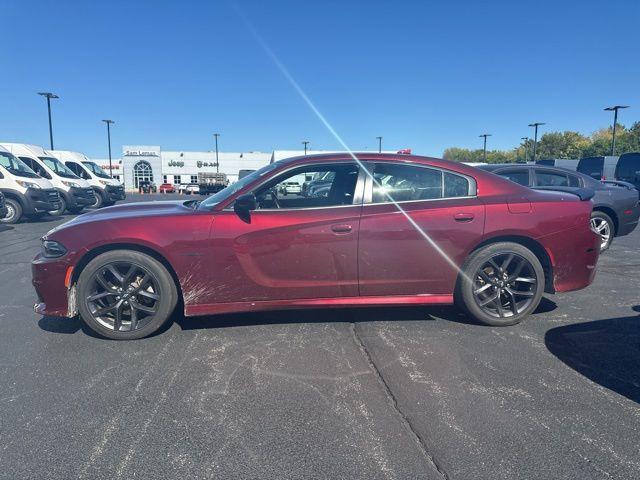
column 14, row 211
column 125, row 294
column 500, row 284
column 602, row 224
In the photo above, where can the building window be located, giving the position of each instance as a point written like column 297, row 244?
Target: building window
column 164, row 179
column 176, row 179
column 142, row 171
column 194, row 178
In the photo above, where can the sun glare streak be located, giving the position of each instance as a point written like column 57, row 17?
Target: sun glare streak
column 335, row 134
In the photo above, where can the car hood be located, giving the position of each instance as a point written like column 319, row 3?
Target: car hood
column 130, row 210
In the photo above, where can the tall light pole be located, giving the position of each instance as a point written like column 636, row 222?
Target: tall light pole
column 484, row 148
column 216, row 135
column 535, row 138
column 379, row 144
column 305, row 143
column 525, row 140
column 49, row 96
column 614, row 109
column 109, row 123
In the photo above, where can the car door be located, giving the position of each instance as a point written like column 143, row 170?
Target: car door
column 417, row 224
column 293, row 246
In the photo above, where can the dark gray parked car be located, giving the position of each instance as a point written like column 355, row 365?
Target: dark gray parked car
column 616, row 206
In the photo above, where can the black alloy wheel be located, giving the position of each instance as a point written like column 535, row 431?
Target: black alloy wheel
column 125, row 294
column 500, row 284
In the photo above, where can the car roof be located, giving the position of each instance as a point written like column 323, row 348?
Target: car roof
column 525, row 166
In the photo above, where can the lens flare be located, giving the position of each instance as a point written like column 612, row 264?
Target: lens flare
column 339, row 139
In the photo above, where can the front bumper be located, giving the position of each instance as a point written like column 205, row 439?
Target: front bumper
column 80, row 197
column 48, row 279
column 115, row 192
column 40, row 200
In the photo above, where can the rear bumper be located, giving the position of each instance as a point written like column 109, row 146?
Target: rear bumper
column 48, row 277
column 628, row 221
column 574, row 255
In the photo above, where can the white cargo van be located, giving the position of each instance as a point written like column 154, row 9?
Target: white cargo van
column 75, row 193
column 108, row 190
column 26, row 194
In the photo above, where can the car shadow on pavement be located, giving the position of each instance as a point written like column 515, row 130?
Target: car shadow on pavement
column 4, row 228
column 607, row 352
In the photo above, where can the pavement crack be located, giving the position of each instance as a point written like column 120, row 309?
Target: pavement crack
column 393, row 402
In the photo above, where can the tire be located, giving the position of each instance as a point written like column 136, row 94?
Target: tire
column 106, row 305
column 602, row 224
column 14, row 211
column 61, row 210
column 480, row 282
column 99, row 200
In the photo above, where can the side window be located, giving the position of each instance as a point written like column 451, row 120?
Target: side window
column 405, row 183
column 521, row 177
column 75, row 168
column 310, row 187
column 455, row 186
column 35, row 166
column 551, row 179
column 574, row 181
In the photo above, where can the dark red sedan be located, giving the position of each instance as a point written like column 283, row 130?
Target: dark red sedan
column 388, row 230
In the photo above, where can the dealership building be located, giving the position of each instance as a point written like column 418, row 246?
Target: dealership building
column 150, row 162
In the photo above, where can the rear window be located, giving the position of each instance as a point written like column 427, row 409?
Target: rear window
column 591, row 166
column 628, row 168
column 520, row 177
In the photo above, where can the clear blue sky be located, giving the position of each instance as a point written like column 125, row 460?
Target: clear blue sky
column 424, row 74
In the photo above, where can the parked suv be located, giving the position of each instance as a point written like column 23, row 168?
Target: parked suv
column 107, row 190
column 75, row 193
column 599, row 168
column 26, row 194
column 628, row 169
column 615, row 205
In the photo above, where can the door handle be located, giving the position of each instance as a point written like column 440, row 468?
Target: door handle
column 341, row 228
column 464, row 217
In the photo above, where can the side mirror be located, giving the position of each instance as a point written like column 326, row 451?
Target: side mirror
column 243, row 206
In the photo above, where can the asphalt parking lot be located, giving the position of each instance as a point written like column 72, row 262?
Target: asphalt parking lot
column 353, row 393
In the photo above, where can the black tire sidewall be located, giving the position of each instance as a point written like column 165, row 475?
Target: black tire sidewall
column 99, row 199
column 168, row 293
column 61, row 210
column 464, row 292
column 612, row 227
column 17, row 208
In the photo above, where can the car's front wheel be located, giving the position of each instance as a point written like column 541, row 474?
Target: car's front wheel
column 602, row 224
column 500, row 284
column 125, row 294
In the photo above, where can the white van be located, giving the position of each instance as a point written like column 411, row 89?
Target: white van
column 108, row 190
column 26, row 194
column 75, row 193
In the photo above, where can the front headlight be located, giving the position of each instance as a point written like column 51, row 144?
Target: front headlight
column 71, row 184
column 52, row 249
column 25, row 184
column 104, row 182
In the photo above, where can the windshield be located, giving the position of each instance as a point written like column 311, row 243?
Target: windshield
column 96, row 170
column 58, row 167
column 236, row 187
column 628, row 168
column 16, row 166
